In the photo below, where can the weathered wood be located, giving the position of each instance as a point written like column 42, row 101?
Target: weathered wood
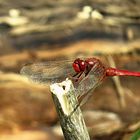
column 71, row 121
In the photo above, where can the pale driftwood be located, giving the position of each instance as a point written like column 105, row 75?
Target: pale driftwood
column 71, row 121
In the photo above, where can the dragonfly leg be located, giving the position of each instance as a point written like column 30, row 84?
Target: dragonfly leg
column 76, row 78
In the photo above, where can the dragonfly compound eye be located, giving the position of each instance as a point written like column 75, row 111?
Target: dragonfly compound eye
column 82, row 65
column 79, row 65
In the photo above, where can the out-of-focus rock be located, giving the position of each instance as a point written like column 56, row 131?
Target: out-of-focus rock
column 24, row 104
column 31, row 135
column 102, row 123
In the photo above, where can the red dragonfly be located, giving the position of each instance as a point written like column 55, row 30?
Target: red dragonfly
column 86, row 74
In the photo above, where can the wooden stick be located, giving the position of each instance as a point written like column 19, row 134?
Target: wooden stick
column 117, row 83
column 72, row 123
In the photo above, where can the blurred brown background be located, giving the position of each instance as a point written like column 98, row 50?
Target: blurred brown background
column 41, row 30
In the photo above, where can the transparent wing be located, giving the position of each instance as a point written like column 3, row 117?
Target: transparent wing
column 93, row 79
column 47, row 72
column 56, row 71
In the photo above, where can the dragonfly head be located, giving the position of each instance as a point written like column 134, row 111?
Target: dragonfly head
column 79, row 65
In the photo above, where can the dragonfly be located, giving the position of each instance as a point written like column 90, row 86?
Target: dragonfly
column 86, row 74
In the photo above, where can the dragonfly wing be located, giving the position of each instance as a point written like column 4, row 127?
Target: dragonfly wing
column 93, row 79
column 48, row 72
